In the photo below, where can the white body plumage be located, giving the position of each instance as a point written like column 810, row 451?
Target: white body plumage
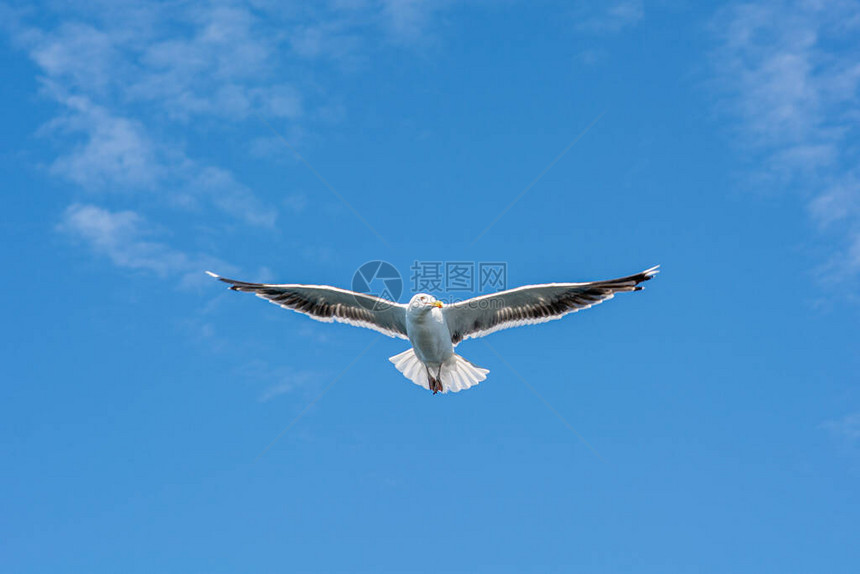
column 431, row 362
column 428, row 332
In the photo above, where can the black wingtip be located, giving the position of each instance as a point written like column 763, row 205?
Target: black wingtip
column 234, row 284
column 649, row 274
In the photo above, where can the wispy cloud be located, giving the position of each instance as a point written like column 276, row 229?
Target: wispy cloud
column 408, row 20
column 288, row 383
column 609, row 17
column 221, row 188
column 124, row 75
column 121, row 78
column 596, row 23
column 106, row 153
column 295, row 202
column 128, row 240
column 216, row 59
column 224, row 66
column 846, row 429
column 788, row 73
column 278, row 380
column 113, row 153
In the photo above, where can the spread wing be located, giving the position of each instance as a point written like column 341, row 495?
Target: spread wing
column 329, row 304
column 532, row 304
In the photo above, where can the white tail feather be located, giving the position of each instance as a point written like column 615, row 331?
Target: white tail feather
column 411, row 367
column 457, row 373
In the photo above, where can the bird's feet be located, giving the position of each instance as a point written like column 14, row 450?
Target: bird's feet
column 435, row 385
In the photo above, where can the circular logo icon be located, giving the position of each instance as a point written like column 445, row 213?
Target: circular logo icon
column 378, row 278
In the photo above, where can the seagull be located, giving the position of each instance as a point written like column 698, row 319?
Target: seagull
column 434, row 329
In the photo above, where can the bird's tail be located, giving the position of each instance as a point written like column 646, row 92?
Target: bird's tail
column 457, row 373
column 411, row 367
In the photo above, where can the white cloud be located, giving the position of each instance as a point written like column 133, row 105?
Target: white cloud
column 121, row 236
column 224, row 67
column 76, row 54
column 115, row 152
column 117, row 155
column 609, row 17
column 127, row 240
column 134, row 81
column 597, row 22
column 232, row 197
column 116, row 81
column 279, row 101
column 788, row 73
column 408, row 20
column 296, row 202
column 289, row 383
column 279, row 380
column 335, row 40
column 846, row 429
column 837, row 203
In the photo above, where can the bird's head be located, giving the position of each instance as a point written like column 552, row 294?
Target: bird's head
column 423, row 302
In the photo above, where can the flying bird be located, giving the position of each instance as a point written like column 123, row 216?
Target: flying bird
column 434, row 328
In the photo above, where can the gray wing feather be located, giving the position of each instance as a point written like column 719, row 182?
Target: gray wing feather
column 532, row 304
column 329, row 304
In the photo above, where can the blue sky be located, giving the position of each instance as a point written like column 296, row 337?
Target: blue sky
column 146, row 142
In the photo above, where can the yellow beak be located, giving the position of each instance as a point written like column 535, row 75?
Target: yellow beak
column 437, row 304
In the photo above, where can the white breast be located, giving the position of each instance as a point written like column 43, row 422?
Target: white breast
column 429, row 335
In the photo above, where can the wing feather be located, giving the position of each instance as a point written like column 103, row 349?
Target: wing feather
column 329, row 304
column 533, row 304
